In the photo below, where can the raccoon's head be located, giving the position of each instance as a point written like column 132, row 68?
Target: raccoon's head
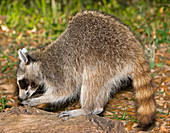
column 28, row 76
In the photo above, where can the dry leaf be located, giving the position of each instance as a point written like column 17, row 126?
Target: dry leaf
column 20, row 36
column 165, row 89
column 163, row 130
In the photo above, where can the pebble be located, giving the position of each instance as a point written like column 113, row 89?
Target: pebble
column 165, row 111
column 157, row 124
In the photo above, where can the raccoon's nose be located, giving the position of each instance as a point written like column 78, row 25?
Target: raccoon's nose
column 27, row 93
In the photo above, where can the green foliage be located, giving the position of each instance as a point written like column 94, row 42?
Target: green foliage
column 132, row 99
column 9, row 64
column 160, row 65
column 3, row 102
column 161, row 92
column 125, row 98
column 125, row 116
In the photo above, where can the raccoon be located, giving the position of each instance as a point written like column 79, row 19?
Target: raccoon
column 88, row 60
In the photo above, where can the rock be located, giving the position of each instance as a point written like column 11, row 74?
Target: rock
column 32, row 120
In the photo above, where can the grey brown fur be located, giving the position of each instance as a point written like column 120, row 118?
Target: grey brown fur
column 89, row 59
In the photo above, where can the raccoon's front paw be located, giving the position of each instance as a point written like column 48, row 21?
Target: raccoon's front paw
column 28, row 102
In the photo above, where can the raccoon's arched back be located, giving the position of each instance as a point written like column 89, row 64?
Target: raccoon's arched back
column 92, row 34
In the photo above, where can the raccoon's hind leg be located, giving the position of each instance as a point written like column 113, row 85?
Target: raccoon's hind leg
column 93, row 96
column 144, row 96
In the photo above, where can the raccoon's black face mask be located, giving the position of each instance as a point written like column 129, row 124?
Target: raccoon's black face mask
column 29, row 89
column 26, row 88
column 27, row 75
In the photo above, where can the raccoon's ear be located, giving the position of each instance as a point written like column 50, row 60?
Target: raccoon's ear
column 23, row 55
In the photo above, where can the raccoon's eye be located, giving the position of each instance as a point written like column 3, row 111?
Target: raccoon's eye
column 33, row 85
column 24, row 84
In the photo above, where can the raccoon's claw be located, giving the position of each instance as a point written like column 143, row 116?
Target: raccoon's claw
column 63, row 114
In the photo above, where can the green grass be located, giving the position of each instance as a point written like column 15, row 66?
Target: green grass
column 125, row 116
column 3, row 102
